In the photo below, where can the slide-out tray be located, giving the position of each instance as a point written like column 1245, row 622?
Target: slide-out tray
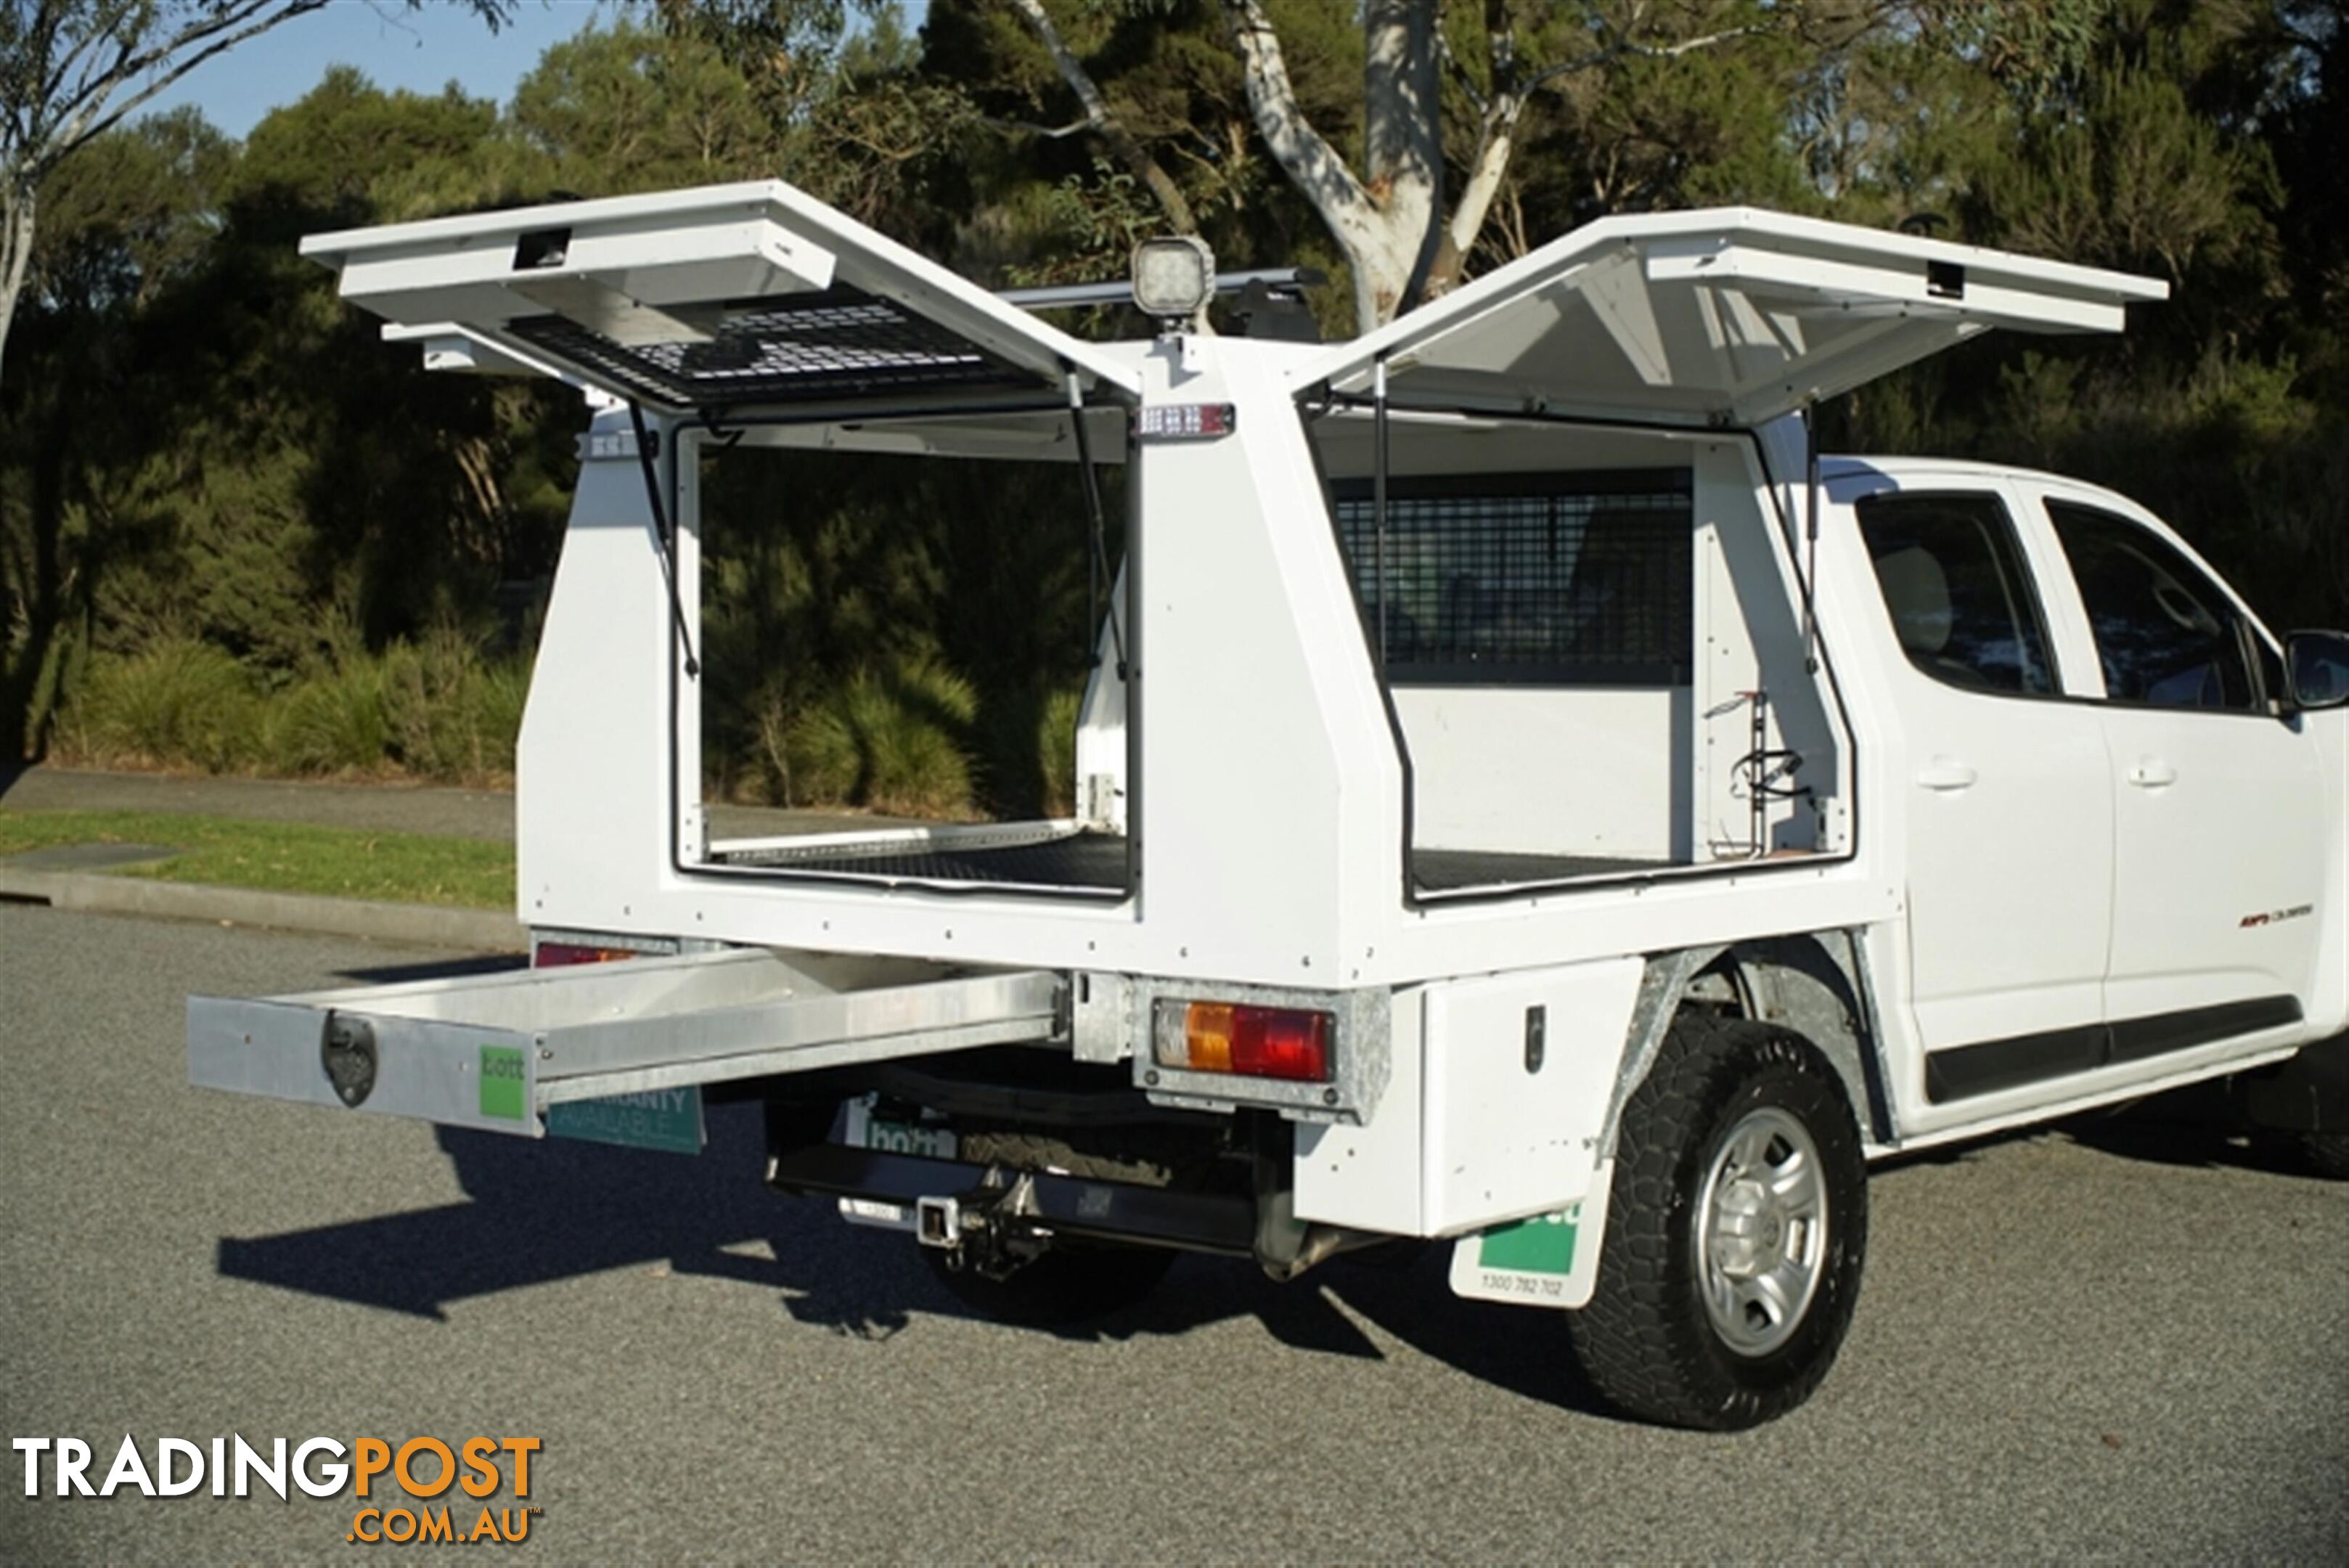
column 494, row 1050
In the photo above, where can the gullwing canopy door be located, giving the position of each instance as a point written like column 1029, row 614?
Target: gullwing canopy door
column 725, row 297
column 1728, row 317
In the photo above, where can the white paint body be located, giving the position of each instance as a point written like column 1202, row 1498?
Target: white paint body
column 1256, row 762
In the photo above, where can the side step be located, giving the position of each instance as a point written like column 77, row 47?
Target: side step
column 495, row 1051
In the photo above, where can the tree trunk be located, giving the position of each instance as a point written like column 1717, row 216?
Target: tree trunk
column 1387, row 229
column 15, row 257
column 1486, row 172
column 44, row 593
column 1402, row 149
column 1107, row 126
column 1391, row 225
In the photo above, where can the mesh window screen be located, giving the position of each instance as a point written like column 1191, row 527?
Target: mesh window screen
column 1529, row 578
column 838, row 344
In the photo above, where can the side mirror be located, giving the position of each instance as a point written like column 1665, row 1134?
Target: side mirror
column 2318, row 666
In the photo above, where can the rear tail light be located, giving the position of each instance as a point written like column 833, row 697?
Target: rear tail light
column 1290, row 1043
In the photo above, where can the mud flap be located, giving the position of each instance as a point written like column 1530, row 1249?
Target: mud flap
column 1550, row 1259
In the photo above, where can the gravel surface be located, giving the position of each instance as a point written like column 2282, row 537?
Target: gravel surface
column 2119, row 1344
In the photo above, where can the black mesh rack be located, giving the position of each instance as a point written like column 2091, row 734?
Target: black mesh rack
column 1563, row 578
column 841, row 343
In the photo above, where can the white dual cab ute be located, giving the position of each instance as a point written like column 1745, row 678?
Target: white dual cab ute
column 1525, row 796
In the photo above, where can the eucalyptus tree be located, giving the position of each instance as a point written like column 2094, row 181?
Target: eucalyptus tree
column 70, row 70
column 1405, row 210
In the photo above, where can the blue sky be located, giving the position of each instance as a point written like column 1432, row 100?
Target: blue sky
column 422, row 49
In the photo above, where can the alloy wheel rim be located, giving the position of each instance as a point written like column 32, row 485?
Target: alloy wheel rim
column 1762, row 1230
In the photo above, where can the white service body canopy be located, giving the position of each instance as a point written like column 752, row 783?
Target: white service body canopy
column 723, row 297
column 1725, row 316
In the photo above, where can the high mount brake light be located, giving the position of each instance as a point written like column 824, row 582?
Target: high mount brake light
column 1291, row 1042
column 1185, row 421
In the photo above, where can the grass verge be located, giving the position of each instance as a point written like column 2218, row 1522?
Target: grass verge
column 283, row 857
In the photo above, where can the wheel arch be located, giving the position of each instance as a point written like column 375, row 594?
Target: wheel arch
column 1813, row 983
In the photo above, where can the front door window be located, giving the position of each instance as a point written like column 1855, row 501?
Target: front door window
column 2165, row 636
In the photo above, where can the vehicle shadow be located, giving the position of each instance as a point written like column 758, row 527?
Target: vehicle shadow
column 2178, row 1129
column 2162, row 1134
column 540, row 1212
column 434, row 969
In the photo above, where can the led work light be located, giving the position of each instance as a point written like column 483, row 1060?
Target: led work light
column 1174, row 277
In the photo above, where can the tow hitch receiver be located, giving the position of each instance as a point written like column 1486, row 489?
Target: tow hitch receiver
column 993, row 1229
column 937, row 1222
column 975, row 1209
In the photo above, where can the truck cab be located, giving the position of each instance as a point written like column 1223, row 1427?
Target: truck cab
column 1526, row 797
column 2117, row 831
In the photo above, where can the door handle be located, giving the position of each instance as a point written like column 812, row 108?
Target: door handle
column 2152, row 772
column 1941, row 773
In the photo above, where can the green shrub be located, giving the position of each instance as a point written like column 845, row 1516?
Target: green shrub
column 181, row 703
column 499, row 692
column 439, row 710
column 1056, row 751
column 821, row 760
column 894, row 741
column 452, row 711
column 335, row 721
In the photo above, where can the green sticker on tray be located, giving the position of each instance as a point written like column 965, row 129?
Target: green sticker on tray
column 504, row 1084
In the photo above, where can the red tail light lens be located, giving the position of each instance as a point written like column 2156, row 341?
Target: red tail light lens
column 1291, row 1042
column 554, row 955
column 1280, row 1042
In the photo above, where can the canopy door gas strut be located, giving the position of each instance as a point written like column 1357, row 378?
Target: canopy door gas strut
column 664, row 535
column 1811, row 537
column 1378, row 505
column 1099, row 554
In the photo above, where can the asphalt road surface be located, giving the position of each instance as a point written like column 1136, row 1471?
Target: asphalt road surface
column 2108, row 1344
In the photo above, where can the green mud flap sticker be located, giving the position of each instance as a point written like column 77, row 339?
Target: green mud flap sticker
column 666, row 1119
column 1549, row 1260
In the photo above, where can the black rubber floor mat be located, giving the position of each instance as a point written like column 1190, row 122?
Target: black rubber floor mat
column 1450, row 870
column 1096, row 862
column 1090, row 860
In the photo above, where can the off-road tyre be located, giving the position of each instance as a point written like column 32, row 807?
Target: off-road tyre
column 1647, row 1340
column 1067, row 1285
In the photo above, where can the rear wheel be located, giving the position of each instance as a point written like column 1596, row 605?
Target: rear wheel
column 1735, row 1231
column 1068, row 1285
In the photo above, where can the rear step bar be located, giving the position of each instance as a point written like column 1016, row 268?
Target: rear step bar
column 494, row 1050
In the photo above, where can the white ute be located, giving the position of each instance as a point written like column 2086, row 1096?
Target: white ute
column 1525, row 796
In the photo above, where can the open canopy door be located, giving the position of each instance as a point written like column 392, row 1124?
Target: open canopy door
column 725, row 297
column 1727, row 316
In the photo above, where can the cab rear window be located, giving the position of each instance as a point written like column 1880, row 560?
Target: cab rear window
column 1953, row 581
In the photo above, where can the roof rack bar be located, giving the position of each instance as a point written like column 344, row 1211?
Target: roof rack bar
column 1064, row 295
